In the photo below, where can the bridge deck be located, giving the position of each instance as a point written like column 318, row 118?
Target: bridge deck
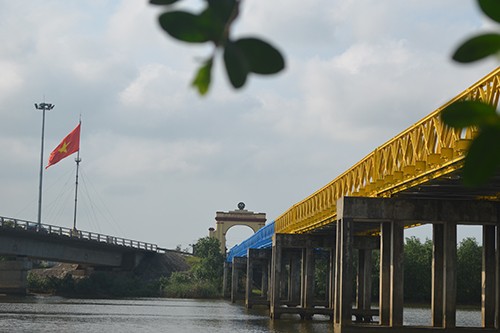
column 30, row 228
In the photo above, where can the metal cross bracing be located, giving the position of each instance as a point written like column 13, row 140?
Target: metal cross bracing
column 424, row 160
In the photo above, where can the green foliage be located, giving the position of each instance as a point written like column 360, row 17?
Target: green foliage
column 490, row 8
column 203, row 77
column 483, row 156
column 417, row 269
column 185, row 285
column 98, row 284
column 469, row 260
column 210, row 266
column 321, row 274
column 478, row 48
column 213, row 25
column 204, row 279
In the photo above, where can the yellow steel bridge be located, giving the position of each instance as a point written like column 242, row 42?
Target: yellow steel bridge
column 422, row 161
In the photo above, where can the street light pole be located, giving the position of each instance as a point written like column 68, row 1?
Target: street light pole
column 44, row 107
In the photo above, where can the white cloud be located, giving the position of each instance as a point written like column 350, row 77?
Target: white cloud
column 155, row 88
column 11, row 80
column 138, row 158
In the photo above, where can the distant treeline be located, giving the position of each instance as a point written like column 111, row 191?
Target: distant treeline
column 418, row 267
column 418, row 272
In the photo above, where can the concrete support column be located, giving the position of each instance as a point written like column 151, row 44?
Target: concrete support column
column 265, row 280
column 397, row 276
column 308, row 264
column 343, row 276
column 239, row 266
column 331, row 278
column 488, row 292
column 385, row 273
column 226, row 280
column 295, row 278
column 276, row 272
column 364, row 283
column 14, row 275
column 249, row 280
column 450, row 276
column 437, row 275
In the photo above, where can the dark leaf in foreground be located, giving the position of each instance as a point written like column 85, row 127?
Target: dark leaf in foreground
column 237, row 67
column 468, row 113
column 477, row 48
column 162, row 2
column 262, row 57
column 483, row 157
column 184, row 26
column 491, row 8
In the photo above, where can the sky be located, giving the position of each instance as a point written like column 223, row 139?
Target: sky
column 158, row 160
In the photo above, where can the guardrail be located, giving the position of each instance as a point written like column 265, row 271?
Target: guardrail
column 34, row 227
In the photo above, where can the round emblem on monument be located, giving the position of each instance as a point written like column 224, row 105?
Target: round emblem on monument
column 241, row 205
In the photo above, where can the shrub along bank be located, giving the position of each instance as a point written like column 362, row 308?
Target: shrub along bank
column 204, row 279
column 100, row 284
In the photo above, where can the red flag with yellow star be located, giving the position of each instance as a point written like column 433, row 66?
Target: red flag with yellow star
column 69, row 145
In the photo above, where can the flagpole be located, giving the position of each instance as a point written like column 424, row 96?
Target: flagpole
column 44, row 107
column 77, row 160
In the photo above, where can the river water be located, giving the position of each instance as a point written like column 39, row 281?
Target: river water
column 57, row 314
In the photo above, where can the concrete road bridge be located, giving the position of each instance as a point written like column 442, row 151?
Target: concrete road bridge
column 27, row 240
column 413, row 179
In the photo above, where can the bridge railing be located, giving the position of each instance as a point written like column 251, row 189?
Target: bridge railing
column 425, row 151
column 29, row 226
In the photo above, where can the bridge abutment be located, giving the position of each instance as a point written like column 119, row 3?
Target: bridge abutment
column 14, row 275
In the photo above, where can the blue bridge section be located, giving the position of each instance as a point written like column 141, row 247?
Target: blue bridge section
column 262, row 239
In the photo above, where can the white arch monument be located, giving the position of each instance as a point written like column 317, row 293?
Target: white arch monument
column 241, row 216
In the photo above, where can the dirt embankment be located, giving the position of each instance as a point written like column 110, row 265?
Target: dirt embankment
column 151, row 268
column 154, row 266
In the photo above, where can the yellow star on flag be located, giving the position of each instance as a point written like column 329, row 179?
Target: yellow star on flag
column 64, row 148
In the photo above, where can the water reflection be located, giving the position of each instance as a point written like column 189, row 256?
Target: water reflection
column 57, row 314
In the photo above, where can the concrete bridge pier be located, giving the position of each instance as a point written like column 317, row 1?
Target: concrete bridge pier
column 14, row 275
column 390, row 216
column 258, row 266
column 239, row 268
column 364, row 245
column 293, row 271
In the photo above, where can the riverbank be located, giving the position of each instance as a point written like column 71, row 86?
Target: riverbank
column 72, row 280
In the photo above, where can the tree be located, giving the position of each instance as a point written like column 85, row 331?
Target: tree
column 417, row 269
column 211, row 264
column 469, row 262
